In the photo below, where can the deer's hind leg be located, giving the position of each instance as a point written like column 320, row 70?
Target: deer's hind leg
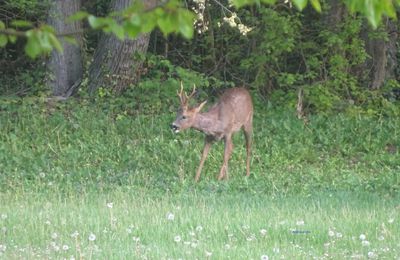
column 248, row 134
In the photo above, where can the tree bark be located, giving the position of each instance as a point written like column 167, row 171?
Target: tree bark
column 383, row 59
column 117, row 64
column 66, row 68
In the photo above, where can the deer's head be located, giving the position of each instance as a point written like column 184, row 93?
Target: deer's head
column 186, row 115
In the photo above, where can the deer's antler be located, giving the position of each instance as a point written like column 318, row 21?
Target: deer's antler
column 182, row 96
column 193, row 92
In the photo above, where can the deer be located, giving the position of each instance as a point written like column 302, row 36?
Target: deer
column 232, row 112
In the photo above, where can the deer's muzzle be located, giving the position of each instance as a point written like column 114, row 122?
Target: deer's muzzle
column 175, row 128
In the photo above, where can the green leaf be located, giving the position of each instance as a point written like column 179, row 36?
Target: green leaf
column 167, row 23
column 270, row 2
column 3, row 40
column 44, row 41
column 185, row 20
column 118, row 30
column 96, row 22
column 131, row 30
column 21, row 23
column 149, row 21
column 32, row 47
column 80, row 15
column 300, row 4
column 317, row 5
column 12, row 38
column 55, row 42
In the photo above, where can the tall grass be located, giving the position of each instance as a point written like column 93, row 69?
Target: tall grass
column 80, row 145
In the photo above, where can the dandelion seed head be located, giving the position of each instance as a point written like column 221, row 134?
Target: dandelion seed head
column 300, row 222
column 371, row 254
column 92, row 237
column 263, row 232
column 331, row 233
column 170, row 216
column 365, row 243
column 208, row 253
column 199, row 228
column 75, row 234
column 177, row 239
column 65, row 247
column 110, row 205
column 54, row 235
column 264, row 257
column 362, row 237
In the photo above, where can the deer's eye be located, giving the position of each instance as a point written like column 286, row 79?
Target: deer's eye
column 183, row 117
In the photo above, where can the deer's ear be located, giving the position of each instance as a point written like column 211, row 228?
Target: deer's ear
column 200, row 106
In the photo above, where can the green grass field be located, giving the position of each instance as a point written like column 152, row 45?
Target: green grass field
column 95, row 181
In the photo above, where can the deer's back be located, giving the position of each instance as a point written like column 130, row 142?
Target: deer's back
column 235, row 108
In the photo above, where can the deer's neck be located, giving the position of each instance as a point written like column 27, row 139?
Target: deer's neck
column 209, row 124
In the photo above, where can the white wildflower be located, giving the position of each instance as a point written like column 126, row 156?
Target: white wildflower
column 339, row 235
column 362, row 237
column 331, row 233
column 109, row 205
column 199, row 228
column 371, row 255
column 65, row 247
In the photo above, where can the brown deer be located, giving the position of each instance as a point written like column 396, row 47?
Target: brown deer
column 233, row 111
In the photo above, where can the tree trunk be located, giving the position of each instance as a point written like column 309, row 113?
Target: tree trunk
column 66, row 68
column 382, row 62
column 117, row 64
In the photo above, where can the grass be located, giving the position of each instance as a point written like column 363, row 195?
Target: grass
column 190, row 226
column 314, row 188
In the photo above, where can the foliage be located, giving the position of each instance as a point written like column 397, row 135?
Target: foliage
column 102, row 145
column 373, row 10
column 169, row 18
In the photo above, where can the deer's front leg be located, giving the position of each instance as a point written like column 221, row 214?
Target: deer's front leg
column 207, row 145
column 223, row 173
